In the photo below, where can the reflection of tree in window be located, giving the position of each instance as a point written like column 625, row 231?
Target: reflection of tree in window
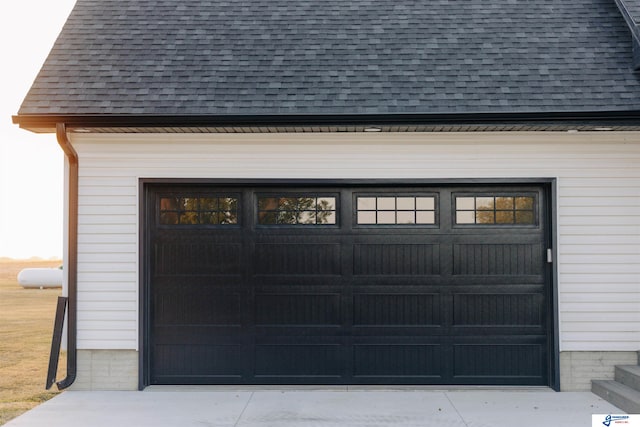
column 222, row 210
column 325, row 213
column 495, row 210
column 198, row 210
column 296, row 210
column 169, row 210
column 524, row 210
column 228, row 208
column 484, row 210
column 189, row 211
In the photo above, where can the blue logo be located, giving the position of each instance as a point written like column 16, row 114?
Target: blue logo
column 612, row 418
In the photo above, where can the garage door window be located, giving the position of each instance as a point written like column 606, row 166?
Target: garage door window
column 199, row 210
column 495, row 210
column 308, row 209
column 395, row 210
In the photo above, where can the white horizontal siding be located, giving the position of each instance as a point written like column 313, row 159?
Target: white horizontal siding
column 604, row 231
column 609, row 249
column 102, row 274
column 109, row 238
column 599, row 278
column 112, row 200
column 621, row 285
column 587, row 267
column 604, row 259
column 600, row 326
column 598, row 176
column 603, row 317
column 108, row 315
column 594, row 297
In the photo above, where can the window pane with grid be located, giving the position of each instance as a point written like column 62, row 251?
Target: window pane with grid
column 199, row 210
column 297, row 210
column 495, row 210
column 402, row 209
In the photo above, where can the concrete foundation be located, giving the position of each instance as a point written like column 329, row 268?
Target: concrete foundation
column 578, row 368
column 107, row 370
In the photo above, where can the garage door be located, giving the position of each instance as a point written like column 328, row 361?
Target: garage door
column 347, row 285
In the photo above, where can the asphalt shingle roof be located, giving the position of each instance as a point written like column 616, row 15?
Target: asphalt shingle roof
column 223, row 57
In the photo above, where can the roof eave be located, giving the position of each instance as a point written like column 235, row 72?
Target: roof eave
column 46, row 123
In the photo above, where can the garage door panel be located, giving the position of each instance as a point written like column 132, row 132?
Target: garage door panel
column 297, row 259
column 294, row 284
column 498, row 235
column 507, row 332
column 377, row 334
column 396, row 309
column 207, row 306
column 173, row 258
column 483, row 259
column 396, row 259
column 392, row 283
column 292, row 333
column 180, row 360
column 499, row 360
column 199, row 335
column 286, row 309
column 483, row 309
column 482, row 282
column 397, row 360
column 218, row 281
column 299, row 360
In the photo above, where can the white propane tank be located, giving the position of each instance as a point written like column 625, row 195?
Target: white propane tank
column 40, row 278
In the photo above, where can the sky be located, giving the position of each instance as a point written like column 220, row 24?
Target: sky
column 31, row 166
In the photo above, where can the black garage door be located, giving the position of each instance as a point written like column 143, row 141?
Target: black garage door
column 347, row 285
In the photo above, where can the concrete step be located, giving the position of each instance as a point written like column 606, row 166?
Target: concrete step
column 618, row 394
column 628, row 375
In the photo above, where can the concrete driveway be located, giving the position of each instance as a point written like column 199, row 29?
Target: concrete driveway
column 199, row 407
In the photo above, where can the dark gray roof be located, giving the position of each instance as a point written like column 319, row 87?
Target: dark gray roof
column 283, row 57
